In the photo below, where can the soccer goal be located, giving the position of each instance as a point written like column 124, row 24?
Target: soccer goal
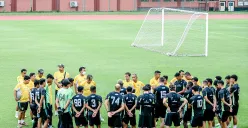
column 174, row 32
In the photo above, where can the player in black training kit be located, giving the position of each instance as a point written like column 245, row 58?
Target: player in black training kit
column 234, row 90
column 173, row 103
column 226, row 102
column 114, row 105
column 196, row 102
column 146, row 103
column 78, row 106
column 160, row 93
column 41, row 101
column 93, row 104
column 33, row 106
column 130, row 104
column 123, row 90
column 180, row 84
column 227, row 78
column 188, row 111
column 209, row 102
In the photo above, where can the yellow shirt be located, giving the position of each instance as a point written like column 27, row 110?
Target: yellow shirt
column 25, row 91
column 38, row 78
column 126, row 84
column 154, row 82
column 31, row 84
column 87, row 86
column 20, row 79
column 138, row 86
column 50, row 93
column 79, row 79
column 58, row 76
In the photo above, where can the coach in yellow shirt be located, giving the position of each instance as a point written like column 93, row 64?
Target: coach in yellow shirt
column 127, row 82
column 189, row 77
column 137, row 85
column 22, row 99
column 58, row 77
column 21, row 77
column 31, row 82
column 40, row 75
column 154, row 82
column 80, row 78
column 87, row 84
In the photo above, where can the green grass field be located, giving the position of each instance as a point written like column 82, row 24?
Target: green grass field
column 104, row 48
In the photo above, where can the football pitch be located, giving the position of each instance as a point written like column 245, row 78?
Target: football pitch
column 103, row 47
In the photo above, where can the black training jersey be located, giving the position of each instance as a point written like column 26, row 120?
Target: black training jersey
column 180, row 84
column 38, row 94
column 223, row 93
column 217, row 93
column 33, row 94
column 160, row 93
column 235, row 91
column 196, row 102
column 123, row 91
column 213, row 89
column 130, row 100
column 115, row 101
column 227, row 86
column 173, row 100
column 188, row 94
column 146, row 103
column 207, row 91
column 94, row 101
column 78, row 101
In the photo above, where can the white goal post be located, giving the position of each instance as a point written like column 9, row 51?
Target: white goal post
column 174, row 32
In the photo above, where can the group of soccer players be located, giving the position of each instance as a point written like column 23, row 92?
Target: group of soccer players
column 183, row 99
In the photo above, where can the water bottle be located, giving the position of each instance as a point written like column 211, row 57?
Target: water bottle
column 38, row 115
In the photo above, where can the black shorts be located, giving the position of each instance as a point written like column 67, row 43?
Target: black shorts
column 33, row 108
column 187, row 115
column 66, row 120
column 22, row 106
column 56, row 92
column 48, row 112
column 172, row 117
column 94, row 120
column 146, row 121
column 81, row 121
column 223, row 116
column 114, row 121
column 197, row 120
column 128, row 119
column 235, row 110
column 208, row 115
column 160, row 111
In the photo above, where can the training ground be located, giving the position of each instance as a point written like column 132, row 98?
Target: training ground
column 102, row 44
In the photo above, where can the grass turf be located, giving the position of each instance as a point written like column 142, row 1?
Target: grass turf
column 104, row 48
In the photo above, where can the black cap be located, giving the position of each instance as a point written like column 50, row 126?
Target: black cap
column 65, row 82
column 61, row 65
column 41, row 71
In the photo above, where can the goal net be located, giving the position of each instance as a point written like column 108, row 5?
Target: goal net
column 174, row 32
